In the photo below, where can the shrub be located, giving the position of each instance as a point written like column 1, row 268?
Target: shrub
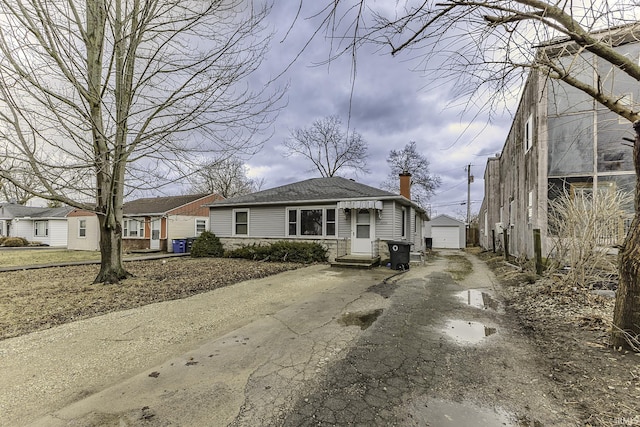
column 2, row 239
column 207, row 245
column 285, row 251
column 15, row 242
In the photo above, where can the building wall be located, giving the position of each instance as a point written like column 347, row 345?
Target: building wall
column 182, row 226
column 490, row 210
column 575, row 142
column 196, row 208
column 446, row 221
column 57, row 231
column 91, row 241
column 268, row 223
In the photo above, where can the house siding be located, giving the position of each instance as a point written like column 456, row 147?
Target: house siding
column 182, row 226
column 267, row 221
column 58, row 230
column 91, row 242
column 220, row 221
column 197, row 208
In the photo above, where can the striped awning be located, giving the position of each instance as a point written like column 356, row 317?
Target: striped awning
column 360, row 204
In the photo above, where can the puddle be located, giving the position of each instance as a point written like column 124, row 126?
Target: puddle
column 478, row 299
column 364, row 319
column 467, row 332
column 465, row 414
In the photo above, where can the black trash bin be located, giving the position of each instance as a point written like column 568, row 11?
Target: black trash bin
column 190, row 241
column 399, row 254
column 428, row 242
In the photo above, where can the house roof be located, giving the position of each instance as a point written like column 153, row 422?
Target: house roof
column 313, row 190
column 445, row 219
column 158, row 205
column 60, row 212
column 13, row 210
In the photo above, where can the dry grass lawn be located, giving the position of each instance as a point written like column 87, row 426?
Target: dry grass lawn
column 19, row 257
column 32, row 300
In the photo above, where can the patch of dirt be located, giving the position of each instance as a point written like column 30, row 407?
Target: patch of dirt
column 33, row 300
column 571, row 327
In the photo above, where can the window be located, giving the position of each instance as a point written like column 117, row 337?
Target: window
column 528, row 134
column 311, row 222
column 331, row 222
column 82, row 228
column 241, row 222
column 41, row 228
column 363, row 224
column 293, row 222
column 530, row 208
column 133, row 228
column 201, row 226
column 403, row 224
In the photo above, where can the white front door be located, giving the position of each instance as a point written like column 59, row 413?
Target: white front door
column 155, row 234
column 362, row 231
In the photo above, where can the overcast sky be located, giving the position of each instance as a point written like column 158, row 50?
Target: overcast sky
column 391, row 106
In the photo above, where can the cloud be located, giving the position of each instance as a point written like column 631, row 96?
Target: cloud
column 388, row 104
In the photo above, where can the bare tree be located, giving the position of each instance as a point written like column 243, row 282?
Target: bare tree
column 12, row 192
column 97, row 95
column 484, row 49
column 410, row 160
column 226, row 177
column 328, row 147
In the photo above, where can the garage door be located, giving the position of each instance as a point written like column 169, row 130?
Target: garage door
column 446, row 237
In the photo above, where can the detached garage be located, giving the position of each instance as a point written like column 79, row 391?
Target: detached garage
column 446, row 232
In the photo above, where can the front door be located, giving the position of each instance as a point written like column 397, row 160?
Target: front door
column 155, row 234
column 362, row 231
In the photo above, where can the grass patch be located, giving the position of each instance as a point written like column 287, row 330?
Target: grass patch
column 22, row 257
column 459, row 266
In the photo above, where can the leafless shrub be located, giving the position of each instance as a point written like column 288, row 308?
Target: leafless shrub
column 586, row 225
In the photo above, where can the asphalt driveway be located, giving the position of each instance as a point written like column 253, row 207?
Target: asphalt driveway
column 316, row 346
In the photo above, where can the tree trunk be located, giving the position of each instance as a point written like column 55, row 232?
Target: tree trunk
column 111, row 268
column 626, row 314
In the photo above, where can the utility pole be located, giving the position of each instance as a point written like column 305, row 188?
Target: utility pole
column 469, row 181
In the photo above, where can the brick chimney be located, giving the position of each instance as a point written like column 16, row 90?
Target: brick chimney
column 405, row 184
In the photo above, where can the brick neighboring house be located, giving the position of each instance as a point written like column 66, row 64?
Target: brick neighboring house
column 149, row 223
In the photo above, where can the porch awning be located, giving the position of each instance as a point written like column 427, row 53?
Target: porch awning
column 360, row 204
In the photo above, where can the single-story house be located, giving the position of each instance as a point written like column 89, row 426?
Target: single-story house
column 347, row 217
column 36, row 224
column 446, row 232
column 149, row 223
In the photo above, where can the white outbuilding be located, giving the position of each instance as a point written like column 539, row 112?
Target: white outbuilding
column 446, row 232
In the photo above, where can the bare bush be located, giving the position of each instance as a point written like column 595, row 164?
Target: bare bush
column 586, row 226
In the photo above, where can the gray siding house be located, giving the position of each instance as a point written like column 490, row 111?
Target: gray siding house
column 347, row 217
column 561, row 142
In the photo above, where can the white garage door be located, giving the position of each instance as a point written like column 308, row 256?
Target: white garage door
column 446, row 237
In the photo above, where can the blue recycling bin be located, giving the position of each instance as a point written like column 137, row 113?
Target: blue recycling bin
column 179, row 246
